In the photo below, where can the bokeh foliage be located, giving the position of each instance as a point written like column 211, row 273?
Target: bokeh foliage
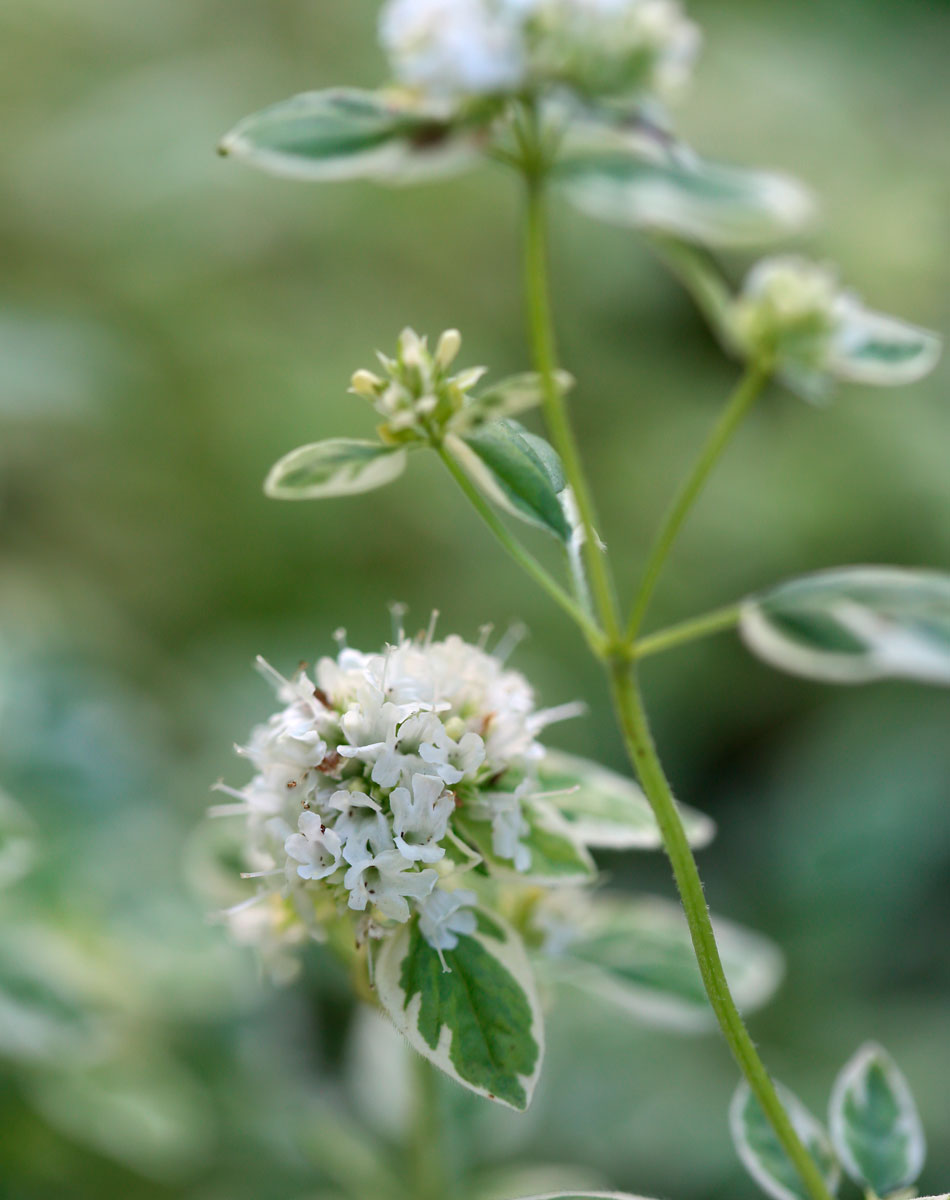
column 171, row 324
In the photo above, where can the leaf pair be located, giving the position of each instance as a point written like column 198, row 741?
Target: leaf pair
column 875, row 1132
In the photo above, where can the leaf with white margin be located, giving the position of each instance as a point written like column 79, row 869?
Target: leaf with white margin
column 338, row 467
column 763, row 1155
column 604, row 809
column 667, row 188
column 557, row 856
column 479, row 1021
column 873, row 348
column 636, row 953
column 874, row 1123
column 347, row 133
column 508, row 398
column 507, row 466
column 17, row 841
column 501, row 1183
column 854, row 625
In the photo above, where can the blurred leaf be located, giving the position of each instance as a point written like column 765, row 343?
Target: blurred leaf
column 517, row 473
column 17, row 842
column 874, row 1123
column 557, row 855
column 872, row 348
column 506, row 1182
column 339, row 467
column 762, row 1153
column 341, row 1149
column 477, row 1017
column 638, row 955
column 514, row 395
column 855, row 625
column 345, row 133
column 605, row 809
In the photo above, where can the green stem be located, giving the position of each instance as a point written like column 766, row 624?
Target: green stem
column 521, row 556
column 541, row 327
column 687, row 631
column 741, row 401
column 428, row 1171
column 643, row 755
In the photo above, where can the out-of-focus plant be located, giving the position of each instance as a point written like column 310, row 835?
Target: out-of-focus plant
column 402, row 809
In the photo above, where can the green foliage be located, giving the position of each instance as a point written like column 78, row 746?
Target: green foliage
column 874, row 1123
column 763, row 1155
column 340, row 467
column 557, row 855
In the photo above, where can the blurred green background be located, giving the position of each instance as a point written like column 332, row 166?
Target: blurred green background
column 169, row 325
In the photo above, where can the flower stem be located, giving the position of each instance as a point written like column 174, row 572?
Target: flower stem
column 741, row 401
column 643, row 755
column 428, row 1171
column 541, row 327
column 687, row 631
column 527, row 561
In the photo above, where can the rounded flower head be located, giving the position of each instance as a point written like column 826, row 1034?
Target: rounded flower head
column 362, row 775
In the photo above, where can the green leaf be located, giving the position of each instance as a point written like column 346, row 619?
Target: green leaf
column 512, row 396
column 479, row 1020
column 854, row 625
column 637, row 954
column 345, row 133
column 669, row 189
column 17, row 842
column 556, row 854
column 872, row 348
column 762, row 1153
column 605, row 809
column 339, row 467
column 513, row 470
column 874, row 1123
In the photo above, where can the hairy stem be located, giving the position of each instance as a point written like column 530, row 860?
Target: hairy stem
column 741, row 401
column 643, row 755
column 687, row 631
column 521, row 556
column 428, row 1171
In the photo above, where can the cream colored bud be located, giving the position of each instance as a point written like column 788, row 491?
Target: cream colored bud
column 450, row 343
column 365, row 383
column 411, row 348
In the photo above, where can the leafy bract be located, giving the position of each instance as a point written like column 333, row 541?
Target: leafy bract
column 346, row 133
column 670, row 190
column 637, row 954
column 763, row 1155
column 874, row 1123
column 476, row 1017
column 557, row 856
column 609, row 810
column 517, row 470
column 338, row 467
column 854, row 625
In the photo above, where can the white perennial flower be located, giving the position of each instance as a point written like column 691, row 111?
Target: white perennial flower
column 599, row 48
column 361, row 776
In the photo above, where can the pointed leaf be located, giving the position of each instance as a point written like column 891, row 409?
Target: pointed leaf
column 345, row 133
column 556, row 854
column 671, row 190
column 872, row 348
column 855, row 625
column 339, row 467
column 762, row 1154
column 507, row 466
column 874, row 1123
column 638, row 955
column 479, row 1021
column 606, row 809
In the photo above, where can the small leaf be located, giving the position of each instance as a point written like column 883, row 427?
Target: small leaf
column 479, row 1021
column 556, row 854
column 345, row 133
column 605, row 809
column 506, row 464
column 855, row 625
column 512, row 396
column 762, row 1154
column 638, row 955
column 872, row 348
column 874, row 1123
column 339, row 467
column 671, row 190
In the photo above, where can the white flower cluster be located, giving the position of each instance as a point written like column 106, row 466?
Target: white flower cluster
column 357, row 780
column 451, row 48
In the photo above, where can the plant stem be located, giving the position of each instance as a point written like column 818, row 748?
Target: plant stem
column 644, row 757
column 741, row 401
column 527, row 561
column 541, row 327
column 687, row 631
column 428, row 1172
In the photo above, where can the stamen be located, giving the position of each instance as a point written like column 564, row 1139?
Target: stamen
column 510, row 641
column 433, row 621
column 228, row 810
column 484, row 633
column 262, row 874
column 397, row 611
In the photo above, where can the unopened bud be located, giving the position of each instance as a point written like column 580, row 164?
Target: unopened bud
column 411, row 348
column 365, row 383
column 450, row 343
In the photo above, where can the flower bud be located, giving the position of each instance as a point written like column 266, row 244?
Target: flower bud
column 450, row 343
column 365, row 383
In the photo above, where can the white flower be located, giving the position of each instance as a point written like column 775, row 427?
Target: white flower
column 421, row 819
column 316, row 848
column 508, row 825
column 443, row 916
column 384, row 880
